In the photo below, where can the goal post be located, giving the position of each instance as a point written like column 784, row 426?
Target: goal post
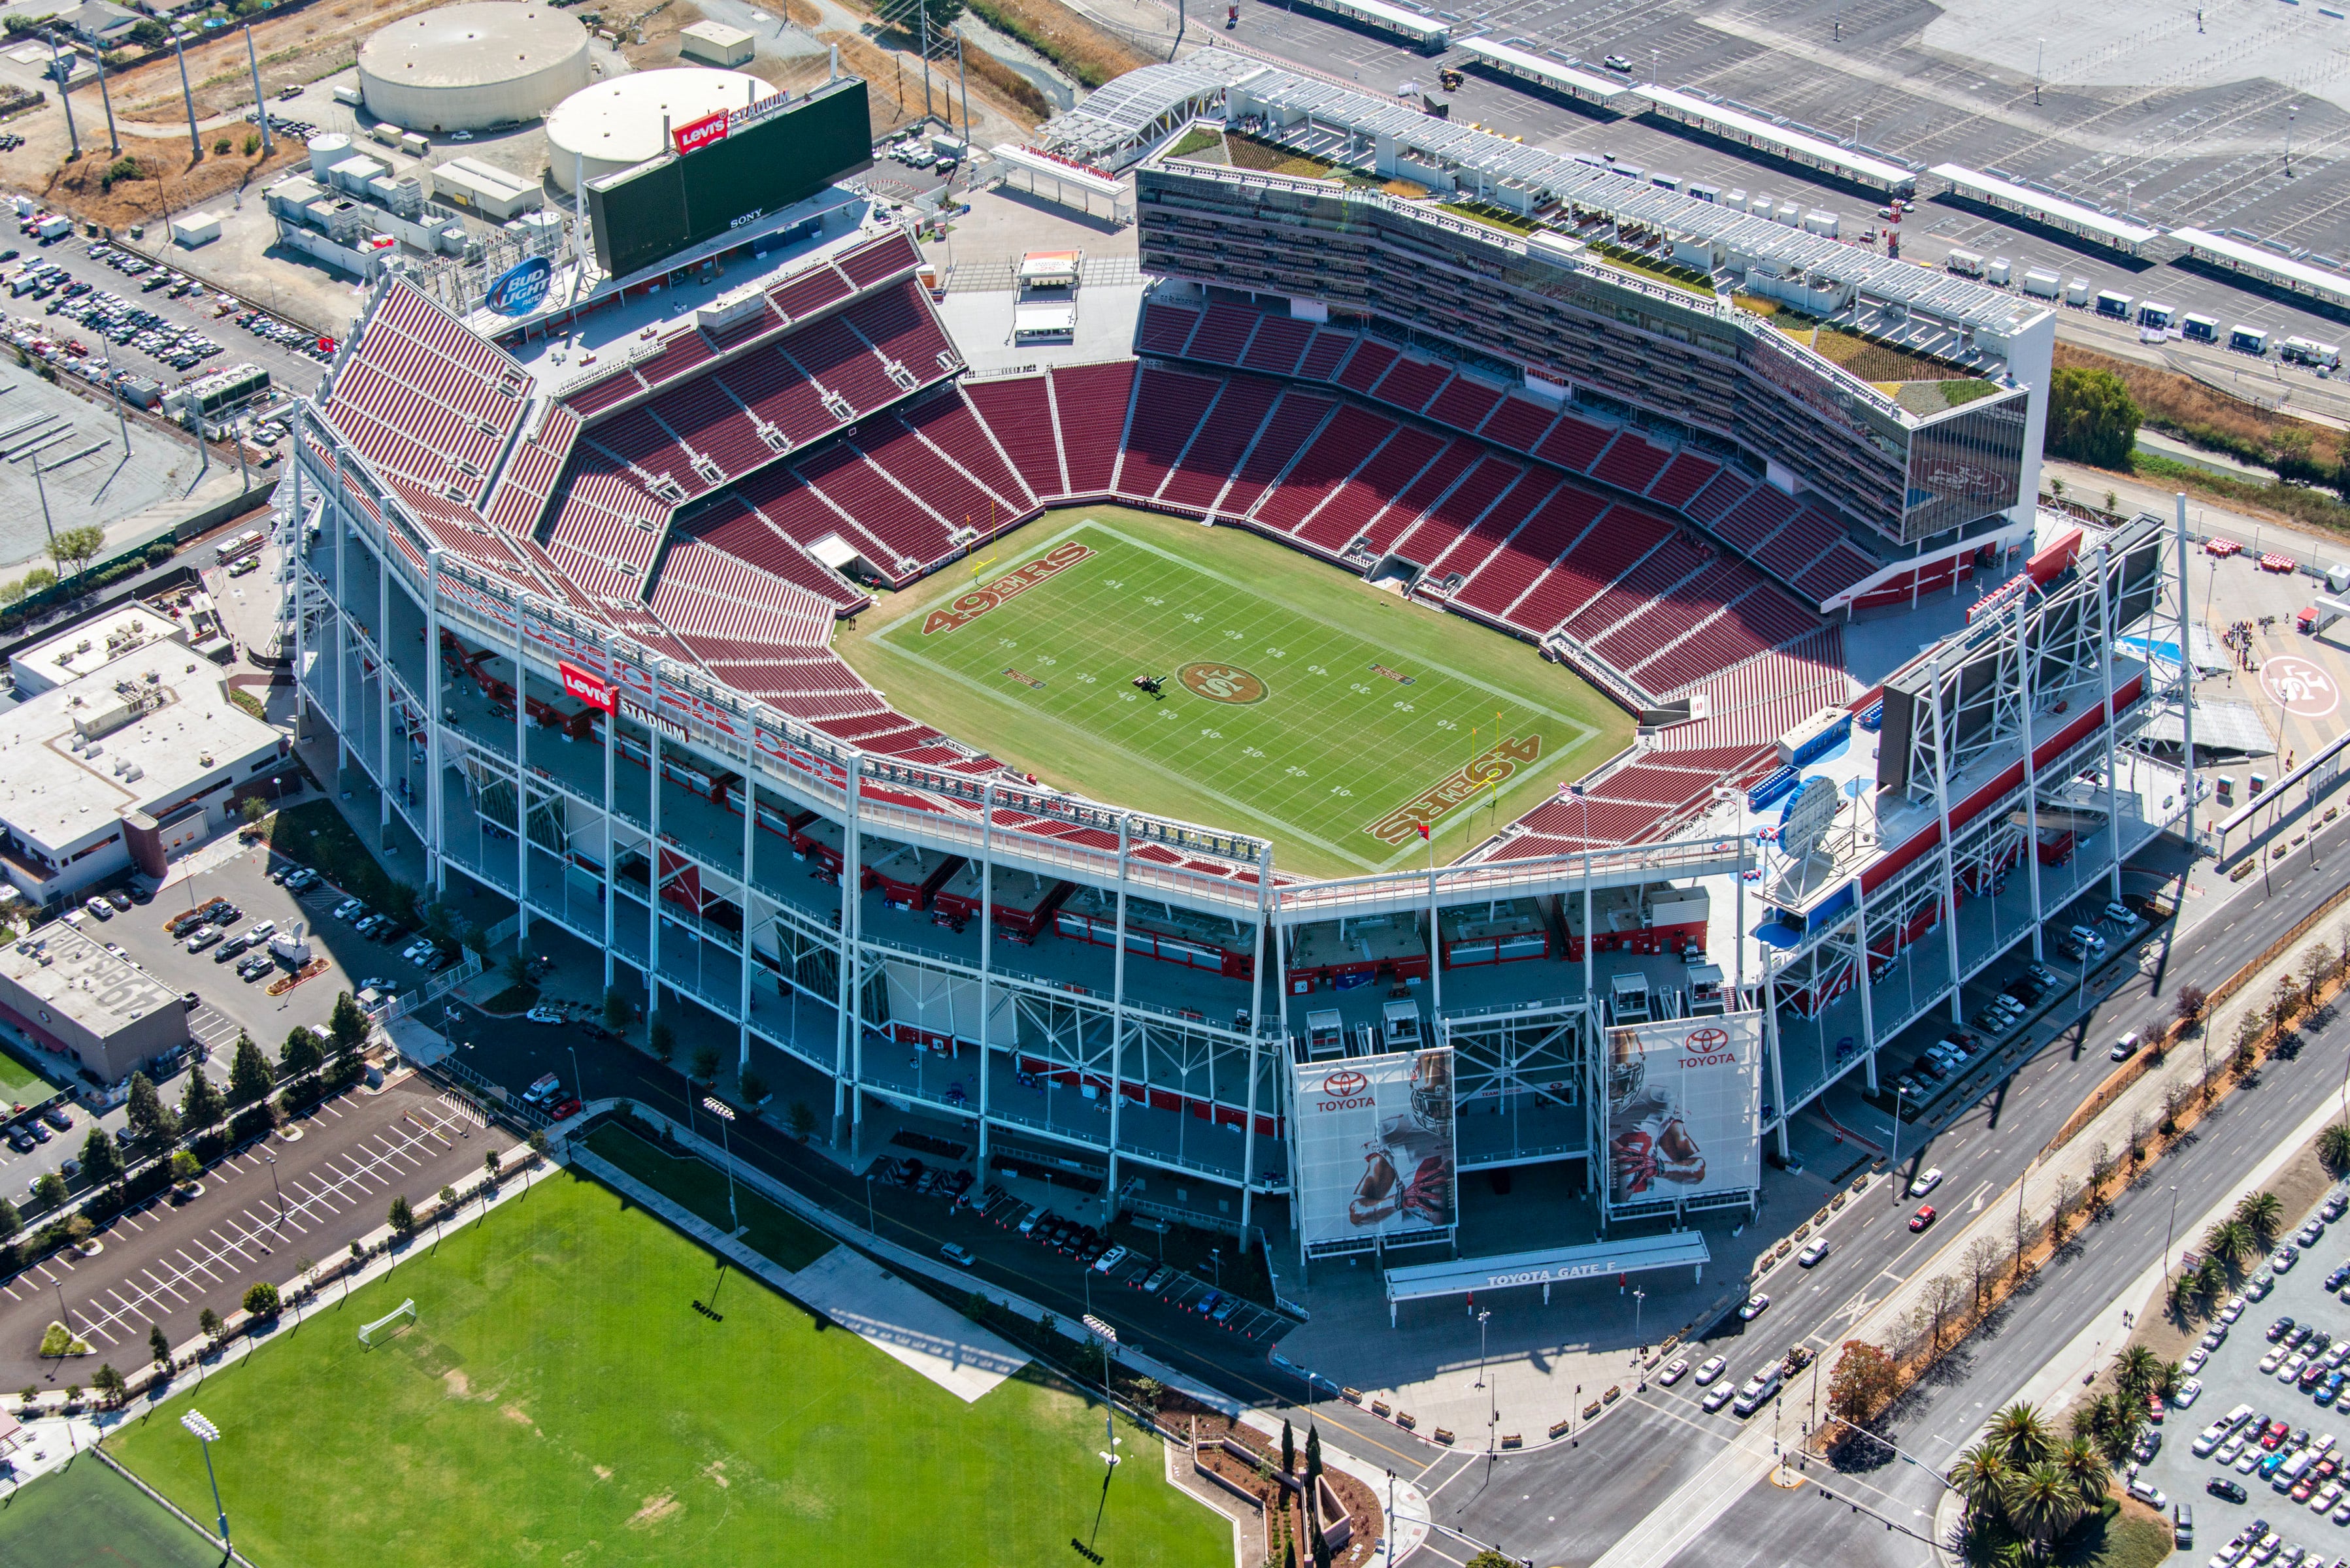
column 406, row 1308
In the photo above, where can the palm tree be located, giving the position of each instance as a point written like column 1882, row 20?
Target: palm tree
column 2084, row 1465
column 2213, row 1277
column 2023, row 1435
column 2262, row 1214
column 2334, row 1146
column 2135, row 1373
column 2229, row 1242
column 2042, row 1505
column 1980, row 1478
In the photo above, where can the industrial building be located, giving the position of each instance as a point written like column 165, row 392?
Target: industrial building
column 60, row 985
column 118, row 768
column 616, row 553
column 473, row 67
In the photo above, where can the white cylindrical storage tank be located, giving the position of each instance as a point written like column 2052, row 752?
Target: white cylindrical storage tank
column 328, row 150
column 617, row 124
column 471, row 66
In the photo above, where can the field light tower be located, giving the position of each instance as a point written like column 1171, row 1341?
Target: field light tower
column 207, row 1433
column 725, row 1114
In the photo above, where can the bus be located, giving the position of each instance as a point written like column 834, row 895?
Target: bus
column 246, row 544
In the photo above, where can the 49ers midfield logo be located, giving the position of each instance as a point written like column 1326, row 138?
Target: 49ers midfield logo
column 1222, row 683
column 968, row 607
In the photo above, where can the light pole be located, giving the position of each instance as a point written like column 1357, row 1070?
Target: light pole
column 869, row 1228
column 1638, row 1296
column 2168, row 1229
column 2290, row 110
column 1481, row 1347
column 1893, row 1161
column 725, row 1114
column 208, row 1434
column 280, row 1191
column 1390, row 1519
column 1216, row 1260
column 2039, row 61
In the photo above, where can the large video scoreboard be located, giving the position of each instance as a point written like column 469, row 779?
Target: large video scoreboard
column 742, row 166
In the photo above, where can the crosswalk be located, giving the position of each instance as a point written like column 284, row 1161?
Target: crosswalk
column 200, row 1270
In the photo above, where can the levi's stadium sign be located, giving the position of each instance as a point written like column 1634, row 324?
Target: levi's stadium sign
column 587, row 688
column 696, row 134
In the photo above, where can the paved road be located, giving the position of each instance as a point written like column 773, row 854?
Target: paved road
column 1567, row 1506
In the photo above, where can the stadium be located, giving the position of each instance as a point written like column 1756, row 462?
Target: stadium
column 1592, row 722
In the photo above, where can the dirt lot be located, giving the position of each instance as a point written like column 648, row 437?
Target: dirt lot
column 302, row 47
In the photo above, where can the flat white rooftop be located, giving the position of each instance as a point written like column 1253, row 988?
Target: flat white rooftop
column 75, row 974
column 89, row 646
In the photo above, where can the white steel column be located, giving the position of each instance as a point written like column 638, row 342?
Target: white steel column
column 986, row 956
column 749, row 823
column 1118, row 1020
column 1256, row 1032
column 1867, row 1003
column 852, row 930
column 522, row 784
column 1950, row 860
column 610, row 729
column 341, row 512
column 1770, row 1040
column 2105, row 668
column 652, row 872
column 1435, row 937
column 2186, row 678
column 436, row 863
column 2031, row 769
column 383, row 690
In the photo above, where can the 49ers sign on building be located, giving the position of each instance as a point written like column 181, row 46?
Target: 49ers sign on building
column 1684, row 1101
column 1375, row 1146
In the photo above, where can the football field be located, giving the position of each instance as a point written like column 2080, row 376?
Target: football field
column 1291, row 699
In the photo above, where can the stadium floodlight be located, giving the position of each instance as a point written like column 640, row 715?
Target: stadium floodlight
column 725, row 1114
column 207, row 1433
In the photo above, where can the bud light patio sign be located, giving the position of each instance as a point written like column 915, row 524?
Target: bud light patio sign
column 519, row 289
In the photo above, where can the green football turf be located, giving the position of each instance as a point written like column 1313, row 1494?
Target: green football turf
column 695, row 1186
column 1299, row 701
column 87, row 1516
column 558, row 1400
column 19, row 1083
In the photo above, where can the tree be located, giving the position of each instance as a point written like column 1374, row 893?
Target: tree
column 101, row 1161
column 659, row 1038
column 616, row 1010
column 253, row 809
column 1313, row 1456
column 2135, row 1372
column 248, row 1072
column 440, row 921
column 10, row 1223
column 401, row 1218
column 2334, row 1147
column 448, row 1196
column 1942, row 1298
column 2262, row 1214
column 2023, row 1435
column 185, row 1166
column 705, row 1064
column 77, row 547
column 517, row 969
column 755, row 1089
column 349, row 1024
column 1863, row 1384
column 50, row 1188
column 490, row 1164
column 157, row 1346
column 108, row 1383
column 40, row 580
column 800, row 1120
column 2189, row 1004
column 1489, row 1558
column 1288, row 1450
column 261, row 1298
column 2317, row 967
column 2091, row 418
column 149, row 1120
column 1983, row 1261
column 300, row 1054
column 538, row 1143
column 209, row 1323
column 476, row 941
column 2041, row 1504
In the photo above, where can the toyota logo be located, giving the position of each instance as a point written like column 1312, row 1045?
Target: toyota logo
column 1345, row 1084
column 1704, row 1039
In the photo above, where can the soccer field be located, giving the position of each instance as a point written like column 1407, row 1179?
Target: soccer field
column 558, row 1400
column 87, row 1516
column 1295, row 701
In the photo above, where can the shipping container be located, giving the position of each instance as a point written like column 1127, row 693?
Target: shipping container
column 1966, row 264
column 2001, row 271
column 2112, row 302
column 2249, row 339
column 2043, row 285
column 2198, row 328
column 2154, row 313
column 2077, row 292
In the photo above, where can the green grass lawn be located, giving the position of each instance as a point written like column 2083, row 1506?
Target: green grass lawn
column 87, row 1516
column 19, row 1083
column 1299, row 701
column 559, row 1401
column 691, row 1184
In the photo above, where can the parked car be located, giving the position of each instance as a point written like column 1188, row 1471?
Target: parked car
column 1925, row 1182
column 958, row 1254
column 1109, row 1260
column 1813, row 1255
column 1674, row 1372
column 1756, row 1306
column 545, row 1014
column 203, row 938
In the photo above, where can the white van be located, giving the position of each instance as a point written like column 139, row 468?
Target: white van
column 2126, row 1047
column 1756, row 1393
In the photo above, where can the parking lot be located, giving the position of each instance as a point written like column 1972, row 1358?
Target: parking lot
column 2301, row 1505
column 287, row 353
column 227, row 1003
column 264, row 1213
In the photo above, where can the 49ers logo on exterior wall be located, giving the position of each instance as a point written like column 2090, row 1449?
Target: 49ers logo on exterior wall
column 1952, row 477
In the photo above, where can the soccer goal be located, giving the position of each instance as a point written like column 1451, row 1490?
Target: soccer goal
column 406, row 1308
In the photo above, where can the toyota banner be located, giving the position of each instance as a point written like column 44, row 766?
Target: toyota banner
column 1684, row 1103
column 1375, row 1146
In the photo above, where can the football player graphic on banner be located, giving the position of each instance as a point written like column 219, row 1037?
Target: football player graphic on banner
column 1417, row 1139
